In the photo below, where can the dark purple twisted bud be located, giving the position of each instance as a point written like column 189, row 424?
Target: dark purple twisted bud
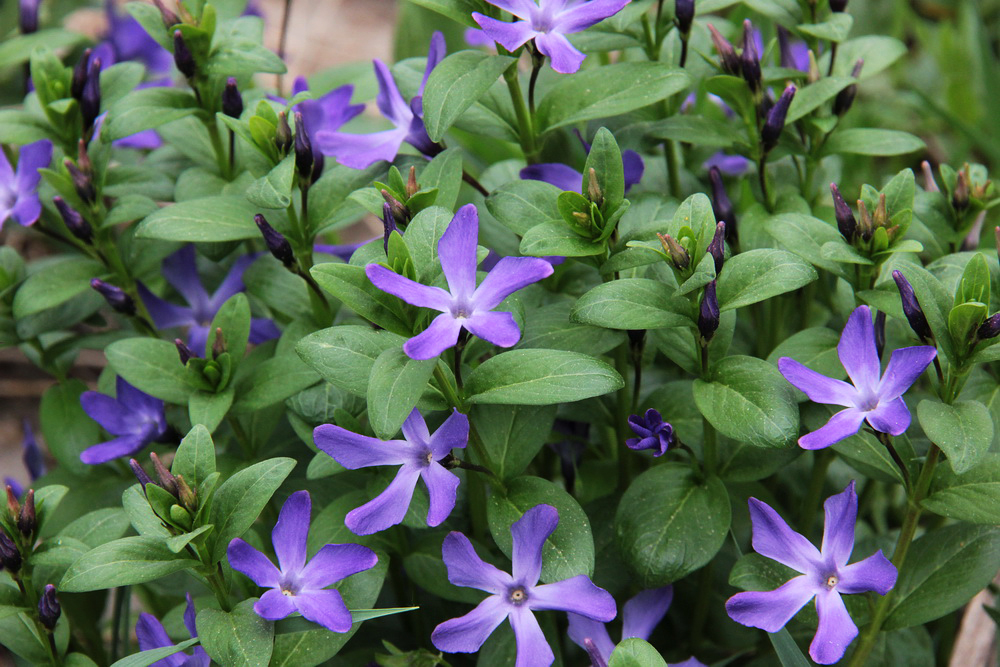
column 116, row 298
column 911, row 308
column 729, row 61
column 75, row 222
column 82, row 183
column 183, row 57
column 13, row 507
column 846, row 222
column 750, row 59
column 28, row 16
column 26, row 519
column 708, row 313
column 90, row 99
column 275, row 241
column 79, row 79
column 303, row 149
column 677, row 253
column 10, row 557
column 170, row 19
column 960, row 197
column 880, row 332
column 319, row 162
column 388, row 225
column 283, row 133
column 838, row 5
column 775, row 121
column 990, row 328
column 400, row 213
column 187, row 496
column 232, row 101
column 48, row 608
column 140, row 474
column 167, row 480
column 717, row 248
column 184, row 352
column 721, row 204
column 845, row 98
column 684, row 13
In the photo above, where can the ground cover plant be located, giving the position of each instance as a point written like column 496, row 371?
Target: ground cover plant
column 681, row 327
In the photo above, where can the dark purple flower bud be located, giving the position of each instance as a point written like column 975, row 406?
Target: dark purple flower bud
column 785, row 48
column 684, row 13
column 717, row 248
column 13, row 507
column 275, row 241
column 10, row 557
column 775, row 121
column 79, row 79
column 708, row 313
column 400, row 213
column 75, row 222
column 183, row 57
column 750, row 59
column 170, row 19
column 184, row 351
column 318, row 163
column 596, row 659
column 845, row 98
column 283, row 133
column 82, row 183
column 116, row 298
column 880, row 332
column 388, row 225
column 26, row 520
column 90, row 100
column 911, row 308
column 232, row 101
column 838, row 5
column 990, row 328
column 728, row 59
column 187, row 496
column 721, row 205
column 960, row 197
column 303, row 149
column 140, row 474
column 48, row 608
column 28, row 16
column 846, row 222
column 678, row 255
column 167, row 480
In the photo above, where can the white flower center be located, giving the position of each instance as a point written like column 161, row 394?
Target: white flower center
column 517, row 595
column 831, row 581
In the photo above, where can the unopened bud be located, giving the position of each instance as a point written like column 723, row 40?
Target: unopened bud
column 684, row 13
column 930, row 185
column 880, row 332
column 678, row 254
column 48, row 608
column 708, row 313
column 388, row 225
column 90, row 99
column 10, row 556
column 115, row 296
column 219, row 344
column 881, row 216
column 721, row 205
column 186, row 495
column 75, row 223
column 28, row 16
column 846, row 222
column 139, row 473
column 183, row 57
column 400, row 213
column 83, row 158
column 170, row 19
column 911, row 308
column 276, row 243
column 13, row 507
column 594, row 193
column 26, row 520
column 813, row 74
column 717, row 248
column 845, row 98
column 411, row 183
column 318, row 163
column 866, row 226
column 750, row 59
column 283, row 133
column 184, row 352
column 167, row 480
column 728, row 60
column 303, row 149
column 775, row 121
column 232, row 101
column 990, row 328
column 838, row 5
column 82, row 183
column 596, row 659
column 79, row 79
column 960, row 198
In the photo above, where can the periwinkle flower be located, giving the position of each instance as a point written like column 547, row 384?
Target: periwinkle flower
column 34, row 459
column 298, row 586
column 548, row 22
column 181, row 271
column 653, row 432
column 151, row 634
column 326, row 113
column 463, row 305
column 134, row 416
column 362, row 150
column 19, row 188
column 515, row 596
column 418, row 456
column 825, row 575
column 126, row 40
column 877, row 400
column 568, row 179
column 794, row 54
column 730, row 165
column 28, row 15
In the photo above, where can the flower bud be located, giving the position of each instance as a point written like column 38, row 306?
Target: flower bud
column 48, row 608
column 845, row 98
column 28, row 16
column 318, row 163
column 232, row 101
column 82, row 183
column 411, row 183
column 219, row 344
column 814, row 74
column 116, row 298
column 75, row 223
column 13, row 507
column 708, row 313
column 930, row 185
column 167, row 480
column 838, row 5
column 183, row 57
column 846, row 222
column 283, row 133
column 90, row 99
column 79, row 79
column 303, row 149
column 678, row 254
column 400, row 213
column 911, row 308
column 187, row 496
column 717, row 248
column 10, row 557
column 388, row 225
column 26, row 520
column 990, row 328
column 880, row 332
column 184, row 352
column 594, row 193
column 276, row 243
column 170, row 19
column 775, row 121
column 881, row 217
column 684, row 13
column 139, row 473
column 750, row 60
column 866, row 227
column 721, row 204
column 728, row 59
column 960, row 197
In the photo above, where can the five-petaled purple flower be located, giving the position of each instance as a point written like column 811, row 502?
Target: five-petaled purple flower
column 568, row 179
column 825, row 576
column 548, row 22
column 877, row 400
column 361, row 150
column 181, row 271
column 653, row 432
column 327, row 112
column 463, row 305
column 418, row 456
column 298, row 586
column 515, row 596
column 151, row 634
column 135, row 417
column 19, row 188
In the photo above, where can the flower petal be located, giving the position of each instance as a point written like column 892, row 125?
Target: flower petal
column 581, row 628
column 31, row 158
column 583, row 15
column 232, row 283
column 771, row 610
column 565, row 57
column 836, row 629
column 150, row 633
column 190, row 616
column 354, row 451
column 634, row 168
column 818, row 387
column 874, row 573
column 113, row 449
column 892, row 417
column 440, row 334
column 509, row 275
column 577, row 594
column 562, row 176
column 522, row 9
column 457, row 252
column 326, row 608
column 263, row 330
column 335, row 562
column 387, row 508
column 27, row 210
column 389, row 100
column 905, row 366
column 274, row 605
column 510, row 35
column 532, row 648
column 466, row 568
column 529, row 534
column 251, row 562
column 466, row 634
column 291, row 532
column 360, row 151
column 114, row 417
column 452, row 434
column 774, row 539
column 181, row 270
column 497, row 328
column 857, row 352
column 165, row 314
column 838, row 532
column 435, row 53
column 415, row 429
column 643, row 612
column 442, row 487
column 137, row 401
column 409, row 291
column 841, row 425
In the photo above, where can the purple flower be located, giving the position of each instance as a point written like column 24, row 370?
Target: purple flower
column 418, row 455
column 18, row 188
column 476, row 37
column 135, row 417
column 794, row 54
column 326, row 113
column 730, row 165
column 126, row 39
column 515, row 596
column 151, row 634
column 181, row 271
column 298, row 586
column 463, row 305
column 548, row 23
column 34, row 460
column 361, row 150
column 879, row 400
column 568, row 179
column 825, row 575
column 653, row 432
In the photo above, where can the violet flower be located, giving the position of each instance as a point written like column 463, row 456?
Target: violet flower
column 298, row 586
column 653, row 432
column 548, row 22
column 568, row 179
column 34, row 460
column 418, row 455
column 181, row 271
column 463, row 305
column 515, row 596
column 126, row 40
column 730, row 165
column 825, row 575
column 151, row 634
column 877, row 400
column 362, row 150
column 134, row 416
column 327, row 112
column 19, row 188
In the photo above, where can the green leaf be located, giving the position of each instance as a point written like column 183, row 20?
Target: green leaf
column 140, row 514
column 55, row 283
column 151, row 366
column 178, row 542
column 195, row 457
column 130, row 560
column 239, row 638
column 521, row 204
column 512, row 435
column 747, row 399
column 422, row 236
column 605, row 158
column 209, row 409
column 554, row 237
column 275, row 380
column 635, row 652
column 809, row 98
column 631, row 303
column 540, row 377
column 815, row 348
column 234, row 320
column 963, row 430
column 549, row 327
column 145, row 109
column 147, row 658
column 98, row 527
column 834, row 29
column 569, row 551
column 456, row 84
column 806, row 236
column 397, row 383
column 239, row 500
column 973, row 496
column 444, row 174
column 866, row 141
column 975, row 282
column 16, row 49
column 68, row 430
column 699, row 131
column 787, row 650
column 608, row 91
column 344, row 355
column 459, row 11
column 756, row 275
column 209, row 219
column 669, row 523
column 350, row 284
column 274, row 190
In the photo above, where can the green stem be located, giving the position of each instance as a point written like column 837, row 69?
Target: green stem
column 537, row 60
column 673, row 172
column 241, row 436
column 525, row 126
column 220, row 154
column 762, row 176
column 821, row 461
column 215, row 582
column 700, row 615
column 708, row 442
column 119, row 620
